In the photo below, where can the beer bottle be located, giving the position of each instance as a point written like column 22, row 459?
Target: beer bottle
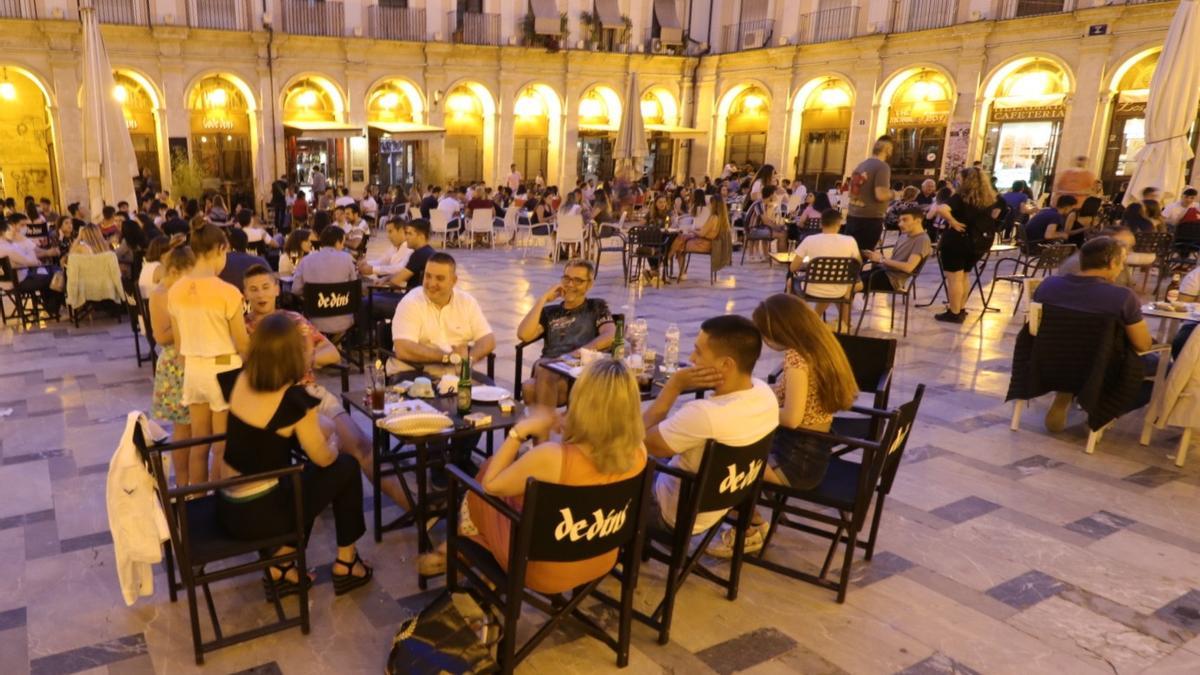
column 1173, row 289
column 464, row 382
column 618, row 345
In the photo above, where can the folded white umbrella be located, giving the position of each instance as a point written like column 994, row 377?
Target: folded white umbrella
column 108, row 160
column 1171, row 107
column 631, row 138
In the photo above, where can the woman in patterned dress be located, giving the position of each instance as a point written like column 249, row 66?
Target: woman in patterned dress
column 168, row 377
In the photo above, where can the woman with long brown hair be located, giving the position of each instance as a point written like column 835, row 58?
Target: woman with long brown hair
column 816, row 382
column 701, row 241
column 971, row 215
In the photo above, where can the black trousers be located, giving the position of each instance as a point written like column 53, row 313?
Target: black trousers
column 875, row 279
column 40, row 282
column 866, row 231
column 338, row 485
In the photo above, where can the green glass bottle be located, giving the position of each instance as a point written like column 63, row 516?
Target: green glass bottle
column 618, row 345
column 464, row 382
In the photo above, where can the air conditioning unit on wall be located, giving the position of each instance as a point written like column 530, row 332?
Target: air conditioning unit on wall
column 753, row 38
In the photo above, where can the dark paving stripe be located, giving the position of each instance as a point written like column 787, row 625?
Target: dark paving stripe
column 1183, row 611
column 271, row 668
column 1153, row 477
column 13, row 618
column 1027, row 590
column 881, row 566
column 1034, row 464
column 34, row 456
column 965, row 509
column 1100, row 524
column 93, row 656
column 86, row 541
column 746, row 651
column 25, row 518
column 938, row 664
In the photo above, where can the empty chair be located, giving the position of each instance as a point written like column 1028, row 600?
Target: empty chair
column 570, row 232
column 480, row 225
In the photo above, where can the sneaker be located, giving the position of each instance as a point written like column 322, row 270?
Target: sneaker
column 724, row 548
column 950, row 317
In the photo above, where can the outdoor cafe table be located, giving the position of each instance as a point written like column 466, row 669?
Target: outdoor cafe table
column 1169, row 321
column 427, row 451
column 571, row 373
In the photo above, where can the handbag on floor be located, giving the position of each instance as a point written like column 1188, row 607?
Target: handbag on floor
column 453, row 634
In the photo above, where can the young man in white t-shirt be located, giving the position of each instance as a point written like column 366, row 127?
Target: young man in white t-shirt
column 741, row 411
column 828, row 244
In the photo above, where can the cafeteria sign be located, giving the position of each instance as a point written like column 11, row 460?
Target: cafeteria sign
column 1029, row 113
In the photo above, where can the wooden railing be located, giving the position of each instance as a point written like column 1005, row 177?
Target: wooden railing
column 396, row 23
column 314, row 17
column 826, row 25
column 219, row 14
column 1015, row 9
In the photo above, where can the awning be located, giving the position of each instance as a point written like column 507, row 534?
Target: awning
column 598, row 128
column 546, row 19
column 409, row 131
column 670, row 30
column 325, row 129
column 609, row 14
column 674, row 131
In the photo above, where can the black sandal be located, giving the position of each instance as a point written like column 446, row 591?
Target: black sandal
column 282, row 587
column 344, row 583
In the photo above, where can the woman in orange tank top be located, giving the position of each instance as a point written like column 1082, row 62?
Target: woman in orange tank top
column 601, row 444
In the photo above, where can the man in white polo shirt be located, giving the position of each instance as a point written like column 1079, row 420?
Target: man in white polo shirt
column 741, row 411
column 431, row 329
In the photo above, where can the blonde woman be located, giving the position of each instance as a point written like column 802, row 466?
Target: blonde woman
column 701, row 241
column 91, row 241
column 970, row 215
column 816, row 382
column 601, row 444
column 168, row 403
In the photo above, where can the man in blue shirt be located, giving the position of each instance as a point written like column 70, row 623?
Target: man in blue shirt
column 1049, row 224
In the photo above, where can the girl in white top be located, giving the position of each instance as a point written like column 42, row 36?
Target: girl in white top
column 209, row 325
column 764, row 177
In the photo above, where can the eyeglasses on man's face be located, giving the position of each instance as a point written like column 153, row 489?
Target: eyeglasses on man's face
column 569, row 280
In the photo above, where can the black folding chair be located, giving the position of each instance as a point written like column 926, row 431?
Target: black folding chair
column 519, row 371
column 834, row 271
column 139, row 320
column 27, row 305
column 1157, row 243
column 645, row 244
column 198, row 542
column 327, row 301
column 909, row 294
column 728, row 479
column 848, row 489
column 557, row 524
column 1041, row 264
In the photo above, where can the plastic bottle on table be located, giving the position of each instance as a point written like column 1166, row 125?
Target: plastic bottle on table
column 671, row 349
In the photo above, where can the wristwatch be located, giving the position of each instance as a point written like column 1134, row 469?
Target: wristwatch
column 512, row 433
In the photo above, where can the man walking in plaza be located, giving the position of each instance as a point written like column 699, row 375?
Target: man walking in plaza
column 870, row 194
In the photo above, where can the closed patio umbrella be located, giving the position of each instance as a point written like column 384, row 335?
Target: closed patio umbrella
column 1171, row 107
column 631, row 146
column 108, row 160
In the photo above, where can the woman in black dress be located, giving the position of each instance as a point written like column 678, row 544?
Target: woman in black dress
column 970, row 215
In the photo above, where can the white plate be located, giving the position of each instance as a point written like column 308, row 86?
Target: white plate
column 488, row 394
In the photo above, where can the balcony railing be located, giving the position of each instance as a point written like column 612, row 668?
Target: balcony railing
column 219, row 14
column 840, row 23
column 314, row 17
column 396, row 23
column 913, row 15
column 471, row 28
column 1015, row 9
column 127, row 12
column 18, row 9
column 747, row 35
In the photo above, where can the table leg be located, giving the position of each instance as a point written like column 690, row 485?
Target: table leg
column 979, row 270
column 378, row 438
column 424, row 545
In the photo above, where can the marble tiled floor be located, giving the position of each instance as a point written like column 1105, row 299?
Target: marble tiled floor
column 1000, row 552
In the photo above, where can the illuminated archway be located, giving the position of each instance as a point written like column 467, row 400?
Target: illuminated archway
column 537, row 132
column 27, row 163
column 315, row 132
column 470, row 121
column 820, row 131
column 599, row 118
column 1024, row 107
column 1129, row 90
column 742, row 125
column 222, row 130
column 914, row 108
column 396, row 134
column 141, row 106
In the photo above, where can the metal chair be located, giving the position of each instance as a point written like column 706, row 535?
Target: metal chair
column 613, row 232
column 1041, row 264
column 326, row 301
column 439, row 226
column 1157, row 243
column 518, row 372
column 139, row 321
column 538, row 536
column 570, row 232
column 909, row 294
column 646, row 243
column 480, row 224
column 832, row 271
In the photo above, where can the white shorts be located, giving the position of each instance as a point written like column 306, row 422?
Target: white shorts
column 200, row 384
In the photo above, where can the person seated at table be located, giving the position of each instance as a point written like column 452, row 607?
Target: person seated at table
column 432, row 328
column 828, row 244
column 451, row 205
column 330, row 264
column 353, row 224
column 741, row 411
column 262, row 293
column 816, row 382
column 237, row 260
column 270, row 415
column 297, row 245
column 578, row 322
column 395, row 257
column 893, row 274
column 26, row 258
column 1092, row 290
column 761, row 219
column 1049, row 225
column 255, row 232
column 701, row 239
column 593, row 451
column 91, row 240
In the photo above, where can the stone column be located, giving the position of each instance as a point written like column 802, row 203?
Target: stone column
column 1078, row 131
column 967, row 109
column 568, row 170
column 864, row 119
column 67, row 118
column 777, row 118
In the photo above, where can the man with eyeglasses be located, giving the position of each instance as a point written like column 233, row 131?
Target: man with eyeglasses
column 578, row 322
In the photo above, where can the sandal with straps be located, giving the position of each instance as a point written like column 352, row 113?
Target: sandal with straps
column 344, row 583
column 282, row 587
